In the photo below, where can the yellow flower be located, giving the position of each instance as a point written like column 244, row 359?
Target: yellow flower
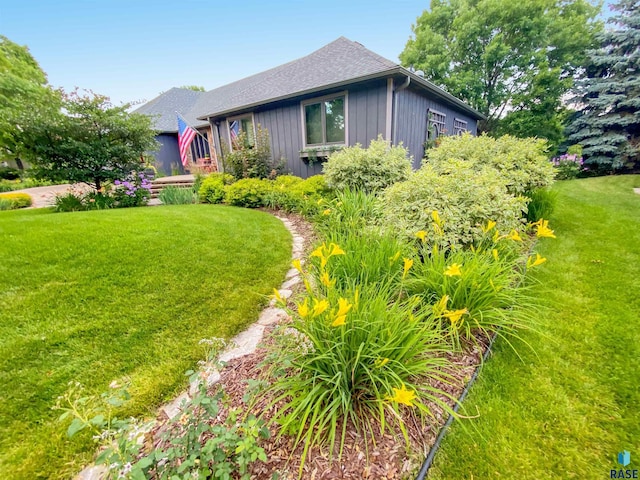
column 343, row 307
column 496, row 236
column 326, row 281
column 335, row 250
column 453, row 270
column 489, row 226
column 436, row 218
column 319, row 306
column 494, row 252
column 303, row 309
column 320, row 202
column 534, row 263
column 515, row 236
column 318, row 252
column 394, row 258
column 422, row 235
column 297, row 265
column 455, row 315
column 441, row 305
column 276, row 295
column 339, row 321
column 381, row 362
column 543, row 229
column 403, row 395
column 307, row 285
column 408, row 263
column 327, row 212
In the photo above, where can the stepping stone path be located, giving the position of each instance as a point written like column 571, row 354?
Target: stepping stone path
column 245, row 343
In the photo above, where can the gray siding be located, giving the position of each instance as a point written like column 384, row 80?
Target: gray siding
column 411, row 117
column 168, row 153
column 367, row 112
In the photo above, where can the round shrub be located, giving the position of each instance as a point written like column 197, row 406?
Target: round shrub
column 12, row 201
column 521, row 162
column 248, row 192
column 313, row 186
column 371, row 169
column 465, row 199
column 8, row 173
column 212, row 189
column 286, row 182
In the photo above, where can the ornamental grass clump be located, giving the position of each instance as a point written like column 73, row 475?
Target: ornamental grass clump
column 360, row 359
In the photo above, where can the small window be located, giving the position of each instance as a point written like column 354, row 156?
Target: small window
column 436, row 122
column 239, row 125
column 459, row 126
column 324, row 121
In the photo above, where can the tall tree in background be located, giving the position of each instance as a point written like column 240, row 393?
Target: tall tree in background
column 24, row 95
column 608, row 126
column 511, row 60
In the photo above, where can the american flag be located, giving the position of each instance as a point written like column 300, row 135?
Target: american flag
column 186, row 135
column 234, row 128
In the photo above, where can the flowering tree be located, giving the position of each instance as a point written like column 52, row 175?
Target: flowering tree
column 89, row 141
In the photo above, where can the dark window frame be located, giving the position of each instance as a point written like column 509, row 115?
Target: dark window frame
column 322, row 100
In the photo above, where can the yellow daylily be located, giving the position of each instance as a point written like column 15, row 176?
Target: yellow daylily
column 335, row 250
column 408, row 263
column 326, row 281
column 343, row 307
column 455, row 315
column 403, row 395
column 318, row 252
column 543, row 229
column 307, row 285
column 319, row 306
column 297, row 265
column 339, row 321
column 453, row 270
column 394, row 258
column 381, row 362
column 489, row 226
column 494, row 252
column 422, row 235
column 515, row 236
column 327, row 212
column 303, row 308
column 496, row 236
column 441, row 305
column 531, row 262
column 436, row 218
column 276, row 295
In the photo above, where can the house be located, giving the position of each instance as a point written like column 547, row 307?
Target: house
column 164, row 111
column 339, row 95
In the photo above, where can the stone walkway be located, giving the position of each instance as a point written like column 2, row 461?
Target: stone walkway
column 46, row 196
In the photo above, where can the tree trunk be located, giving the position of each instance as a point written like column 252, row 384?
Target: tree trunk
column 98, row 185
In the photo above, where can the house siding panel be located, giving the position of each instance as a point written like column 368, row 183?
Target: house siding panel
column 411, row 127
column 367, row 112
column 168, row 154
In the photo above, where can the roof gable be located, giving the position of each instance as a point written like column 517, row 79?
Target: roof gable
column 163, row 109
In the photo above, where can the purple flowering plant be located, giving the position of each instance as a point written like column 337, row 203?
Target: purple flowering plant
column 568, row 166
column 133, row 191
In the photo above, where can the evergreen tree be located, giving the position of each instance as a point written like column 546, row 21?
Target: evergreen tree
column 608, row 125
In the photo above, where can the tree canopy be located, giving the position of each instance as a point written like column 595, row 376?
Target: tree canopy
column 195, row 88
column 510, row 60
column 608, row 125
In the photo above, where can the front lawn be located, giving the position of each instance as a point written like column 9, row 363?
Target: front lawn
column 96, row 296
column 567, row 409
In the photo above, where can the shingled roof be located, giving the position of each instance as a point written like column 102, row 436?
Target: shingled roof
column 163, row 109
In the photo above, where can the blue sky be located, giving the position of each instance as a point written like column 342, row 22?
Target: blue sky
column 133, row 50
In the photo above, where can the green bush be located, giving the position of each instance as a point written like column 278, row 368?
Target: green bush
column 349, row 213
column 522, row 162
column 12, row 201
column 212, row 189
column 542, row 203
column 251, row 157
column 465, row 198
column 70, row 202
column 173, row 195
column 19, row 184
column 8, row 173
column 248, row 192
column 315, row 186
column 372, row 169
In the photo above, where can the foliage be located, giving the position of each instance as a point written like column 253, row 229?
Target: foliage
column 195, row 88
column 135, row 191
column 498, row 53
column 350, row 211
column 248, row 192
column 608, row 124
column 12, row 201
column 466, row 199
column 372, row 169
column 522, row 163
column 213, row 186
column 250, row 157
column 25, row 96
column 172, row 195
column 314, row 186
column 542, row 203
column 8, row 173
column 92, row 141
column 118, row 293
column 568, row 166
column 11, row 185
column 359, row 357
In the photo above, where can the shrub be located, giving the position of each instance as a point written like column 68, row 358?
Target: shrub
column 19, row 184
column 134, row 191
column 12, row 201
column 251, row 158
column 248, row 192
column 542, row 203
column 372, row 169
column 213, row 187
column 173, row 195
column 465, row 198
column 8, row 173
column 522, row 162
column 568, row 167
column 349, row 213
column 70, row 202
column 315, row 186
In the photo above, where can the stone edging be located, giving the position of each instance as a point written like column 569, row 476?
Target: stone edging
column 243, row 344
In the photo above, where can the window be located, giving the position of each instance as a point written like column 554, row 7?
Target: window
column 242, row 124
column 324, row 121
column 435, row 124
column 459, row 126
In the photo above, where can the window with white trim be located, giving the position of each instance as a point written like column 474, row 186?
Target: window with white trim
column 459, row 126
column 324, row 121
column 436, row 122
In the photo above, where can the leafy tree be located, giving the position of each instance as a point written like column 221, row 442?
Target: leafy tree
column 195, row 88
column 608, row 126
column 24, row 95
column 90, row 141
column 505, row 57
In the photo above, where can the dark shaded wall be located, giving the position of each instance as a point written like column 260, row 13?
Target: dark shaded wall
column 168, row 153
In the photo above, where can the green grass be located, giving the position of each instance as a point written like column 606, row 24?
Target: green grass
column 567, row 409
column 94, row 296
